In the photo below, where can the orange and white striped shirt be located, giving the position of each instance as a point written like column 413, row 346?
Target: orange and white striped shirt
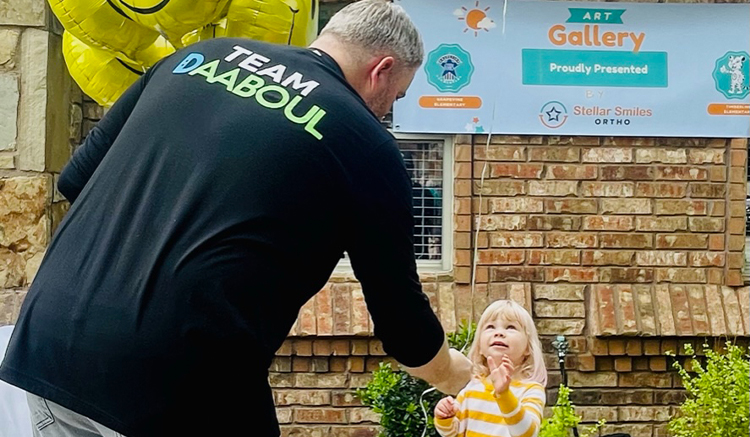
column 516, row 412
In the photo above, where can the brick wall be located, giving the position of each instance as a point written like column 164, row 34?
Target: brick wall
column 631, row 247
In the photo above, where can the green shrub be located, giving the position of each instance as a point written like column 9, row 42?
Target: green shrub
column 718, row 395
column 395, row 395
column 564, row 418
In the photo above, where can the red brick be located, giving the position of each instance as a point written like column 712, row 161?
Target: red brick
column 516, row 205
column 737, row 191
column 735, row 260
column 737, row 175
column 628, row 141
column 626, row 275
column 574, row 172
column 704, row 224
column 664, row 224
column 586, row 363
column 302, row 348
column 717, row 208
column 716, row 242
column 462, row 170
column 557, row 309
column 302, row 397
column 520, row 274
column 340, row 347
column 681, row 173
column 553, row 188
column 739, row 158
column 322, row 348
column 698, row 311
column 717, row 174
column 626, row 241
column 570, row 141
column 646, row 310
column 711, row 191
column 615, row 155
column 715, row 310
column 558, row 223
column 501, row 256
column 706, row 156
column 663, row 307
column 301, row 364
column 500, row 153
column 340, row 398
column 626, row 206
column 500, row 188
column 607, row 189
column 561, row 292
column 516, row 171
column 360, row 321
column 681, row 309
column 616, row 346
column 462, row 240
column 662, row 155
column 572, row 239
column 554, row 257
column 571, row 274
column 627, row 173
column 736, row 243
column 661, row 258
column 503, row 223
column 683, row 276
column 608, row 223
column 571, row 206
column 342, row 305
column 738, row 143
column 463, row 152
column 645, row 379
column 623, row 364
column 516, row 239
column 320, row 415
column 554, row 154
column 306, row 321
column 360, row 347
column 707, row 259
column 732, row 311
column 462, row 187
column 281, row 364
column 682, row 241
column 661, row 189
column 324, row 311
column 286, row 348
column 604, row 258
column 651, row 346
column 736, row 226
column 681, row 207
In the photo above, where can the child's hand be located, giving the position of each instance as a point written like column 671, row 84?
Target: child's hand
column 500, row 374
column 446, row 408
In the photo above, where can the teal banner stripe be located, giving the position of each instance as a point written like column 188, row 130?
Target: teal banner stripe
column 586, row 15
column 594, row 68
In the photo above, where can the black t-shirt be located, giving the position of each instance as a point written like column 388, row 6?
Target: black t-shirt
column 209, row 204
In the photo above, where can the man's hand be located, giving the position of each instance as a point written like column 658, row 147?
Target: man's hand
column 446, row 408
column 449, row 371
column 500, row 374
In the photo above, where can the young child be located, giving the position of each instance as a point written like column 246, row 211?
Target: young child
column 505, row 398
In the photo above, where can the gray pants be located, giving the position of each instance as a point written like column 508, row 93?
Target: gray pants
column 49, row 419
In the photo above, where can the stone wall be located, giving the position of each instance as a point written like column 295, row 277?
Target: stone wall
column 38, row 123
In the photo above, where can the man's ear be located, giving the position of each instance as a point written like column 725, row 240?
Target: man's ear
column 382, row 69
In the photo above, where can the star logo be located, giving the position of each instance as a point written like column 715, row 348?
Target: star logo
column 553, row 114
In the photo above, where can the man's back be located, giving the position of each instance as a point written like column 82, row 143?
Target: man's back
column 223, row 204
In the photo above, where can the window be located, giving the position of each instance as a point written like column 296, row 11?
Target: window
column 428, row 159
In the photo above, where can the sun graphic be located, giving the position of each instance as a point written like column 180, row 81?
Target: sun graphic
column 476, row 19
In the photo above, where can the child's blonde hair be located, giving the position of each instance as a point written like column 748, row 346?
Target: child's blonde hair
column 532, row 366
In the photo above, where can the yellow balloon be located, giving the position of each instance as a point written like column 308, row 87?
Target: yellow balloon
column 293, row 22
column 99, row 25
column 98, row 72
column 172, row 18
column 107, row 44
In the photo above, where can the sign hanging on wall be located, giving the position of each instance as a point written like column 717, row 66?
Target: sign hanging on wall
column 573, row 68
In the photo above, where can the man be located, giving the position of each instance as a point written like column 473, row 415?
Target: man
column 208, row 205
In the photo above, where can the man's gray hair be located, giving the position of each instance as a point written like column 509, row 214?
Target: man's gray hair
column 378, row 27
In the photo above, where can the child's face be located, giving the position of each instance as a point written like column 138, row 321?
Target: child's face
column 503, row 337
